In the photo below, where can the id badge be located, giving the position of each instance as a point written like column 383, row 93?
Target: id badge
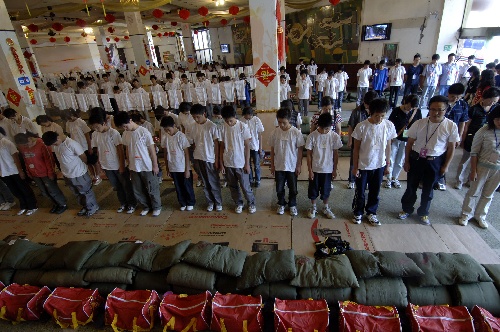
column 414, row 77
column 423, row 153
column 405, row 133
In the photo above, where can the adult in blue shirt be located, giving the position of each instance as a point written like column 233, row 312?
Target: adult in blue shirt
column 380, row 78
column 413, row 73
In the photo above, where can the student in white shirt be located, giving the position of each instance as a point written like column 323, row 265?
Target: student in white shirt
column 320, row 85
column 342, row 77
column 312, row 71
column 177, row 162
column 256, row 152
column 397, row 76
column 364, row 75
column 108, row 143
column 331, row 87
column 284, row 89
column 304, row 92
column 139, row 119
column 204, row 136
column 73, row 166
column 18, row 124
column 125, row 86
column 371, row 160
column 431, row 74
column 322, row 159
column 186, row 87
column 186, row 122
column 286, row 144
column 65, row 87
column 215, row 96
column 142, row 163
column 155, row 87
column 234, row 145
column 283, row 72
column 107, row 87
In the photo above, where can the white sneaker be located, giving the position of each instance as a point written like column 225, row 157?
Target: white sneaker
column 183, row 208
column 350, row 185
column 239, row 209
column 357, row 220
column 331, row 185
column 328, row 213
column 156, row 212
column 21, row 212
column 199, row 183
column 210, row 208
column 396, row 184
column 97, row 181
column 463, row 220
column 2, row 206
column 189, row 208
column 121, row 209
column 30, row 212
column 441, row 186
column 130, row 209
column 218, row 208
column 372, row 218
column 252, row 209
column 459, row 186
column 293, row 211
column 311, row 213
column 482, row 223
column 388, row 184
column 281, row 209
column 144, row 212
column 8, row 206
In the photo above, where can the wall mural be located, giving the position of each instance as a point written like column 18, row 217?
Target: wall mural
column 242, row 43
column 327, row 34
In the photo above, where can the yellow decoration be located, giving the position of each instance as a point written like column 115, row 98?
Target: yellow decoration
column 266, row 111
column 9, row 41
column 27, row 8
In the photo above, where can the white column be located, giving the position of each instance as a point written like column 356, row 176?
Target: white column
column 139, row 41
column 100, row 39
column 25, row 46
column 188, row 46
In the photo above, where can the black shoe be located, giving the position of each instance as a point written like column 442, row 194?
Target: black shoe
column 54, row 209
column 61, row 209
column 257, row 184
column 82, row 212
column 89, row 213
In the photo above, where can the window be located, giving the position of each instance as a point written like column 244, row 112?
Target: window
column 202, row 46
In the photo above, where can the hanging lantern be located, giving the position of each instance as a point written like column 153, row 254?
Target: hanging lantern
column 158, row 13
column 126, row 37
column 223, row 21
column 84, row 34
column 234, row 10
column 184, row 14
column 174, row 24
column 203, row 11
column 108, row 39
column 67, row 39
column 246, row 19
column 155, row 27
column 52, row 39
column 57, row 26
column 195, row 32
column 117, row 39
column 171, row 34
column 334, row 2
column 206, row 23
column 81, row 23
column 33, row 27
column 159, row 35
column 27, row 54
column 111, row 29
column 33, row 42
column 110, row 18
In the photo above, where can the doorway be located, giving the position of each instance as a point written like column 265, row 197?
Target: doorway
column 390, row 54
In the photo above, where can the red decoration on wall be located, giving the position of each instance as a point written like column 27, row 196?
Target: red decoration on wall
column 84, row 34
column 108, row 39
column 184, row 14
column 174, row 24
column 280, row 36
column 206, row 23
column 33, row 42
column 33, row 27
column 81, row 23
column 111, row 29
column 159, row 35
column 106, row 49
column 13, row 97
column 27, row 54
column 234, row 10
column 126, row 37
column 203, row 11
column 171, row 34
column 52, row 39
column 223, row 21
column 16, row 58
column 154, row 27
column 57, row 26
column 246, row 19
column 67, row 39
column 195, row 32
column 117, row 39
column 158, row 13
column 334, row 2
column 110, row 18
column 265, row 74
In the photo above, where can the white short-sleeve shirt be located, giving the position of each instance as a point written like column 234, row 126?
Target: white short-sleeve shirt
column 53, row 127
column 284, row 89
column 106, row 144
column 322, row 147
column 175, row 146
column 433, row 136
column 374, row 139
column 342, row 78
column 234, row 143
column 364, row 77
column 397, row 75
column 186, row 121
column 203, row 137
column 286, row 144
column 304, row 86
column 68, row 153
column 256, row 127
column 77, row 130
column 137, row 143
column 7, row 165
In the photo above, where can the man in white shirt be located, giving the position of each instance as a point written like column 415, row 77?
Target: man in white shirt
column 429, row 151
column 364, row 75
column 449, row 75
column 464, row 74
column 108, row 86
column 397, row 76
column 431, row 74
column 304, row 92
column 18, row 124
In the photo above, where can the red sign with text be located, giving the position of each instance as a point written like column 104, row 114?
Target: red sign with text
column 265, row 74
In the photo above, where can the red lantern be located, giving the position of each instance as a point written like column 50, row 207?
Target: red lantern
column 246, row 19
column 33, row 42
column 84, row 34
column 159, row 35
column 184, row 14
column 158, row 13
column 81, row 23
column 126, row 37
column 334, row 2
column 117, row 39
column 111, row 29
column 52, row 39
column 206, row 23
column 33, row 27
column 27, row 54
column 234, row 10
column 171, row 34
column 106, row 49
column 203, row 11
column 57, row 26
column 155, row 27
column 195, row 32
column 108, row 39
column 67, row 39
column 110, row 18
column 223, row 21
column 174, row 24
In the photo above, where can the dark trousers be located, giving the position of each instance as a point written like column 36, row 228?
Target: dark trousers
column 320, row 184
column 320, row 96
column 410, row 88
column 393, row 95
column 338, row 101
column 122, row 184
column 373, row 178
column 50, row 189
column 114, row 105
column 427, row 171
column 291, row 180
column 255, row 162
column 351, row 177
column 22, row 190
column 184, row 188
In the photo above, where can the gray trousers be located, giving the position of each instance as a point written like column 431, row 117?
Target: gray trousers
column 50, row 189
column 82, row 187
column 235, row 177
column 427, row 94
column 122, row 184
column 211, row 181
column 6, row 195
column 146, row 187
column 361, row 95
column 304, row 106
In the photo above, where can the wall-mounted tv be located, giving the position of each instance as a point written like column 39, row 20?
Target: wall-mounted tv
column 224, row 48
column 376, row 32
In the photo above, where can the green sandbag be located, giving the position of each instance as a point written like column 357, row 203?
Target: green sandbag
column 493, row 271
column 280, row 266
column 6, row 276
column 397, row 265
column 253, row 270
column 4, row 248
column 169, row 256
column 190, row 291
column 28, row 277
column 144, row 256
column 107, row 255
column 225, row 284
column 335, row 272
column 381, row 291
column 64, row 278
column 216, row 258
column 190, row 276
column 105, row 288
column 275, row 290
column 331, row 295
column 26, row 255
column 72, row 256
column 364, row 264
column 151, row 280
column 448, row 269
column 483, row 294
column 115, row 275
column 437, row 295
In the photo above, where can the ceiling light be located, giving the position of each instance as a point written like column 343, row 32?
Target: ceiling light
column 219, row 2
column 88, row 30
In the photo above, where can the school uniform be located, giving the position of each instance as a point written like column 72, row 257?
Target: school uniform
column 363, row 83
column 359, row 114
column 303, row 94
column 284, row 90
column 396, row 75
column 320, row 79
column 256, row 128
column 331, row 88
column 448, row 77
column 108, row 89
column 342, row 77
column 431, row 75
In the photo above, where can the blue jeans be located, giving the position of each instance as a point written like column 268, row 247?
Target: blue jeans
column 427, row 93
column 291, row 180
column 373, row 178
column 393, row 94
column 320, row 96
column 184, row 188
column 338, row 101
column 255, row 170
column 361, row 95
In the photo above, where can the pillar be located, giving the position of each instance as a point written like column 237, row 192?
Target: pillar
column 265, row 61
column 188, row 46
column 100, row 39
column 152, row 50
column 26, row 47
column 14, row 69
column 140, row 45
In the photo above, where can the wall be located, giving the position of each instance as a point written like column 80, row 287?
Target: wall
column 448, row 33
column 222, row 36
column 63, row 58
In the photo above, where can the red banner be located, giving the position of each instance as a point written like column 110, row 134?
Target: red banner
column 13, row 97
column 265, row 74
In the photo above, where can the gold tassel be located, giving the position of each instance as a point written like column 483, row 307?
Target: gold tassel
column 103, row 9
column 28, row 8
column 86, row 7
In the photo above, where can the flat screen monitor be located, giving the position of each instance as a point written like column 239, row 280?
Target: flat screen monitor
column 224, row 48
column 376, row 32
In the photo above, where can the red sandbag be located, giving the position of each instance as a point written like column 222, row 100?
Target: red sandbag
column 484, row 321
column 432, row 318
column 131, row 310
column 357, row 317
column 300, row 315
column 22, row 302
column 235, row 313
column 186, row 312
column 72, row 307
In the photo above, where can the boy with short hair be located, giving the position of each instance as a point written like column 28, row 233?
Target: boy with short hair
column 19, row 123
column 142, row 163
column 371, row 160
column 139, row 119
column 125, row 86
column 187, row 122
column 286, row 144
column 256, row 130
column 284, row 89
column 331, row 87
column 304, row 92
column 73, row 166
column 177, row 163
column 108, row 143
column 205, row 139
column 155, row 87
column 364, row 74
column 431, row 75
column 322, row 158
column 186, row 87
column 396, row 78
column 234, row 144
column 342, row 77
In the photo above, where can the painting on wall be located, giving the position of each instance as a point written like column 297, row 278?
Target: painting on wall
column 242, row 41
column 329, row 34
